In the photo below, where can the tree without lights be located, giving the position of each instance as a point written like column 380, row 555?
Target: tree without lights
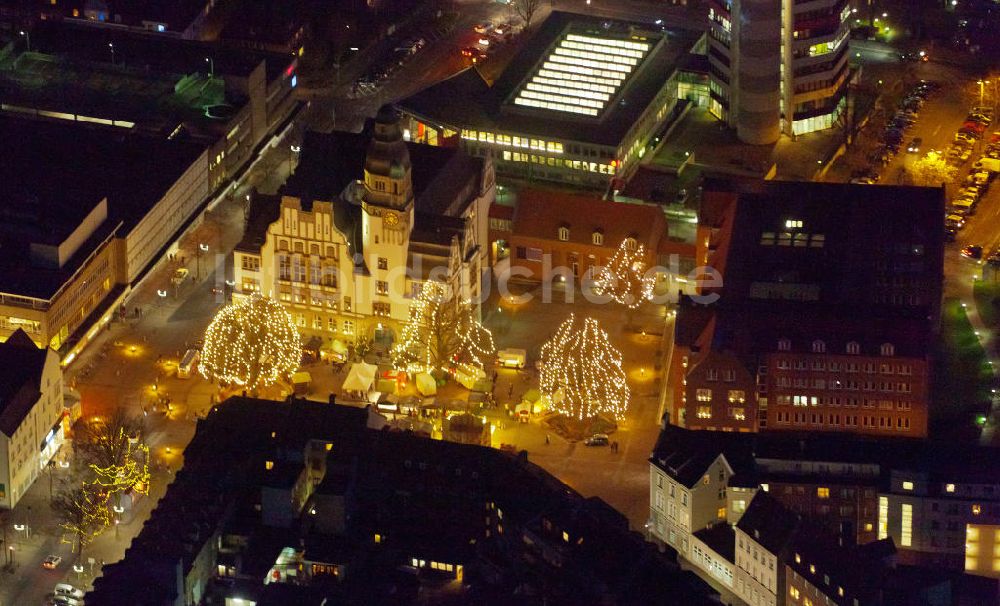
column 442, row 335
column 582, row 372
column 526, row 10
column 253, row 344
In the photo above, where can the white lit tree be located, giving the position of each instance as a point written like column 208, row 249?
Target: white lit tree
column 624, row 278
column 582, row 372
column 252, row 344
column 442, row 335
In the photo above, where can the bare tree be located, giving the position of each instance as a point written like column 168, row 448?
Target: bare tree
column 116, row 459
column 526, row 9
column 83, row 513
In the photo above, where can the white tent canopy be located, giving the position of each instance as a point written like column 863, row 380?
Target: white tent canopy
column 426, row 384
column 360, row 377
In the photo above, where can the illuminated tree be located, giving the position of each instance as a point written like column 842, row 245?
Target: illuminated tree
column 932, row 170
column 582, row 372
column 82, row 513
column 114, row 455
column 253, row 344
column 624, row 278
column 442, row 335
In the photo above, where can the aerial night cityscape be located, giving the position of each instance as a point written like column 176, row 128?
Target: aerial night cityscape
column 499, row 302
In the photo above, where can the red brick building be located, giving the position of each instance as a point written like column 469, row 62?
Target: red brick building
column 551, row 229
column 826, row 314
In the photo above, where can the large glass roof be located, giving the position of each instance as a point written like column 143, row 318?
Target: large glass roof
column 582, row 74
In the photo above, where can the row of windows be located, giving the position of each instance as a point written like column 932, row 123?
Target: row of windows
column 822, row 365
column 510, row 141
column 593, row 167
column 798, row 240
column 852, row 347
column 346, row 327
column 849, row 385
column 805, row 400
column 836, row 420
column 735, row 396
column 736, row 413
column 315, row 299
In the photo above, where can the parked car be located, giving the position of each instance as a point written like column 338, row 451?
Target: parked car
column 973, row 251
column 598, row 439
column 954, row 221
column 914, row 146
column 960, row 136
column 51, row 562
column 484, row 27
column 68, row 590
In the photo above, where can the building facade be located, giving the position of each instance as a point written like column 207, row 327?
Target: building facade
column 778, row 67
column 31, row 411
column 348, row 268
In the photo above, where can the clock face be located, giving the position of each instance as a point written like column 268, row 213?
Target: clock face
column 390, row 218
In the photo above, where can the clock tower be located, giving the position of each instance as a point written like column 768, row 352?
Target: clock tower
column 388, row 197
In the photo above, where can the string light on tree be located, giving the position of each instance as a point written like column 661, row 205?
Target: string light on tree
column 624, row 278
column 442, row 335
column 253, row 344
column 582, row 372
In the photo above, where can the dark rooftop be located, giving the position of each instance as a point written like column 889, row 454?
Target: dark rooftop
column 768, row 522
column 721, row 539
column 851, row 244
column 61, row 171
column 21, row 365
column 467, row 101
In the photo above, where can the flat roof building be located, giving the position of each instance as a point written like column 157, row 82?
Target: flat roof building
column 579, row 103
column 827, row 306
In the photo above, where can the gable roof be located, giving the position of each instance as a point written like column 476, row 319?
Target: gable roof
column 21, row 365
column 769, row 523
column 540, row 214
column 685, row 455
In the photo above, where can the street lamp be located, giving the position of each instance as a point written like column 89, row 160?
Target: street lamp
column 27, row 37
column 211, row 66
column 11, row 551
column 78, row 569
column 202, row 248
column 111, row 45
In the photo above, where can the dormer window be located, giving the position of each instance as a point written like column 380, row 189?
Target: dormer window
column 597, row 238
column 887, row 349
column 631, row 243
column 819, row 346
column 784, row 345
column 853, row 348
column 563, row 233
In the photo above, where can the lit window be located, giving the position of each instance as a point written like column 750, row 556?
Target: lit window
column 840, row 591
column 704, row 412
column 812, row 568
column 563, row 234
column 907, row 485
column 798, row 559
column 721, row 514
column 378, row 538
column 906, row 526
column 269, row 465
column 794, row 592
column 597, row 238
column 737, row 396
column 703, row 395
column 976, row 509
column 949, row 488
column 823, row 492
column 565, row 536
column 793, row 224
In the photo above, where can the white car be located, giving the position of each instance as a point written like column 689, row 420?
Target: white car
column 69, row 591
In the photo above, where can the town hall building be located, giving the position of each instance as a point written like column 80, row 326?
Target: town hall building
column 365, row 220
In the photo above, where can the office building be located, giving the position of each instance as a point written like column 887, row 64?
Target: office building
column 778, row 66
column 580, row 103
column 825, row 312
